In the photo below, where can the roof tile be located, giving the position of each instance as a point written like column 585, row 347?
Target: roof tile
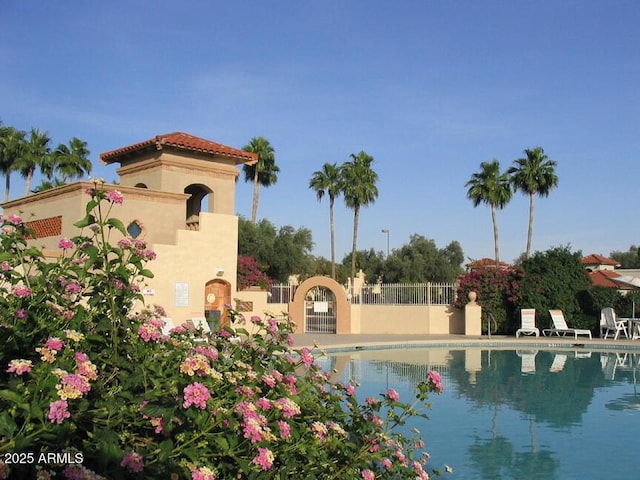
column 179, row 140
column 46, row 227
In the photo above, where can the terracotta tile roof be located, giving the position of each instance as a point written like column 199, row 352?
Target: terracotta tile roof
column 595, row 259
column 602, row 278
column 179, row 140
column 486, row 263
column 46, row 227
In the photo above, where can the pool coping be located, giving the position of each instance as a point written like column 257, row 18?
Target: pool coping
column 338, row 344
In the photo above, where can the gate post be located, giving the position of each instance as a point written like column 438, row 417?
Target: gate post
column 472, row 317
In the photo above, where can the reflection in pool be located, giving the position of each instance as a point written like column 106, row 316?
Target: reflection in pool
column 525, row 414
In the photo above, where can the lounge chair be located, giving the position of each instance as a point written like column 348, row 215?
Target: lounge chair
column 560, row 327
column 612, row 324
column 528, row 323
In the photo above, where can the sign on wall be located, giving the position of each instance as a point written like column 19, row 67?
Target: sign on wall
column 182, row 294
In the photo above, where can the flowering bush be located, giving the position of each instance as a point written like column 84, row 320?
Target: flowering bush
column 91, row 388
column 251, row 274
column 498, row 291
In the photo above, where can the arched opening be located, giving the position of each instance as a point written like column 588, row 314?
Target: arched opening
column 200, row 200
column 140, row 185
column 217, row 294
column 320, row 304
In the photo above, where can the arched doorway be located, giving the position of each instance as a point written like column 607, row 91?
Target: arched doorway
column 320, row 304
column 320, row 311
column 217, row 294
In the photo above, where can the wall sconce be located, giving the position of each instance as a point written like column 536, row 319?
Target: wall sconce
column 219, row 272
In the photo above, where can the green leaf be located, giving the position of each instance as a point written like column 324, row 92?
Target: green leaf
column 85, row 222
column 7, row 425
column 91, row 205
column 146, row 273
column 115, row 223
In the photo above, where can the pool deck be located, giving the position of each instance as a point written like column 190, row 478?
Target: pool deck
column 344, row 342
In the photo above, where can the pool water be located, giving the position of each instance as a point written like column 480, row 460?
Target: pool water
column 507, row 414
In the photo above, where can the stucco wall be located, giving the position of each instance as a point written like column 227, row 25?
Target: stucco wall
column 407, row 319
column 184, row 269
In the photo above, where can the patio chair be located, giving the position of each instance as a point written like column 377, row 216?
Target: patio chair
column 612, row 324
column 560, row 327
column 528, row 323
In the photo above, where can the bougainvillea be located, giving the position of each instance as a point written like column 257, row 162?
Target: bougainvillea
column 251, row 274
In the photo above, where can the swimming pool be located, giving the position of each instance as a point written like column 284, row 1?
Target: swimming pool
column 516, row 414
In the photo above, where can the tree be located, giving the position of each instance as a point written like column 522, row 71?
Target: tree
column 359, row 190
column 36, row 154
column 493, row 188
column 72, row 161
column 327, row 181
column 12, row 143
column 533, row 175
column 630, row 259
column 284, row 251
column 262, row 173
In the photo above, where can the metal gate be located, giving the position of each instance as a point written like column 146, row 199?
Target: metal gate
column 320, row 311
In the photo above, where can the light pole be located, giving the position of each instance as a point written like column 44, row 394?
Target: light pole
column 386, row 232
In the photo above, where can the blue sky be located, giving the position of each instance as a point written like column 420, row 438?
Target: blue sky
column 430, row 89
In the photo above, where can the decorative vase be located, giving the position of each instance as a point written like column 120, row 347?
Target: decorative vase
column 472, row 297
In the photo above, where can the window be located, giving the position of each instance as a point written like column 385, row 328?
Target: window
column 134, row 229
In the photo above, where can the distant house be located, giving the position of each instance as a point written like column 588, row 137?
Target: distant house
column 485, row 263
column 595, row 262
column 602, row 270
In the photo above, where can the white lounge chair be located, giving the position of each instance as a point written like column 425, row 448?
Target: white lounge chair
column 560, row 327
column 612, row 325
column 528, row 323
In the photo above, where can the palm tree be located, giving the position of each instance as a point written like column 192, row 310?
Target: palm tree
column 262, row 173
column 72, row 161
column 11, row 148
column 328, row 181
column 359, row 190
column 36, row 153
column 493, row 188
column 533, row 175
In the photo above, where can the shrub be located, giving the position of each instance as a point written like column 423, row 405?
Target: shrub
column 251, row 273
column 102, row 388
column 496, row 289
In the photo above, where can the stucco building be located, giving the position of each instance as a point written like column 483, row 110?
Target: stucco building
column 179, row 197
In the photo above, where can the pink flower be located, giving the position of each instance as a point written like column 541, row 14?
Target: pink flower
column 54, row 343
column 368, row 475
column 393, row 395
column 386, row 463
column 124, row 243
column 264, row 458
column 65, row 243
column 203, row 473
column 435, row 380
column 58, row 411
column 285, row 429
column 306, row 357
column 21, row 313
column 20, row 366
column 196, row 394
column 73, row 287
column 133, row 461
column 15, row 219
column 5, row 266
column 115, row 196
column 21, row 292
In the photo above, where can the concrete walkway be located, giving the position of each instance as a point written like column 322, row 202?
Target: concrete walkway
column 333, row 342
